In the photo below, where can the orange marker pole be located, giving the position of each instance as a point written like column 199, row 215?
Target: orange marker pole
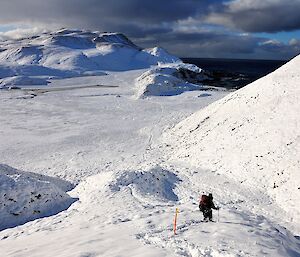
column 175, row 220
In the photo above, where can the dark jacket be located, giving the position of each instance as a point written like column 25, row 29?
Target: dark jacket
column 208, row 204
column 211, row 204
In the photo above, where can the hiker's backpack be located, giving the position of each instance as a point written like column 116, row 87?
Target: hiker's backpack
column 204, row 202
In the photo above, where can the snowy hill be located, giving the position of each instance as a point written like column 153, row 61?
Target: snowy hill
column 69, row 53
column 170, row 79
column 26, row 196
column 252, row 136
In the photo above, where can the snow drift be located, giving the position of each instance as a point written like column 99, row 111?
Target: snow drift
column 157, row 184
column 252, row 135
column 26, row 196
column 71, row 53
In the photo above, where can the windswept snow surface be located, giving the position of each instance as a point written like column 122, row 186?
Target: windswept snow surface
column 252, row 136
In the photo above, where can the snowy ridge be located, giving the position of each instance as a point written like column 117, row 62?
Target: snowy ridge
column 70, row 53
column 253, row 136
column 26, row 196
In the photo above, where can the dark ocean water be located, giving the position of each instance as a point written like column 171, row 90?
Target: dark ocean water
column 234, row 73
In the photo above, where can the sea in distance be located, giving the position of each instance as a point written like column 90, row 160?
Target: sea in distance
column 234, row 73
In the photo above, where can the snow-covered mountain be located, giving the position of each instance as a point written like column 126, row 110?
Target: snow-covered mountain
column 252, row 136
column 69, row 53
column 42, row 59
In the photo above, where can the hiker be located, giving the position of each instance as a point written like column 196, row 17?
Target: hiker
column 206, row 205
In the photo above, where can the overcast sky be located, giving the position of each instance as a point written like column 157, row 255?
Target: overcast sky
column 267, row 29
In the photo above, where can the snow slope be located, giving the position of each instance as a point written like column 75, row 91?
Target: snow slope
column 27, row 196
column 121, row 215
column 252, row 136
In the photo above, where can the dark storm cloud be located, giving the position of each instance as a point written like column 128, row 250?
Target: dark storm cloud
column 133, row 16
column 221, row 45
column 97, row 12
column 206, row 44
column 258, row 15
column 169, row 23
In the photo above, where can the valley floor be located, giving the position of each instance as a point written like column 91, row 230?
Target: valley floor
column 106, row 142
